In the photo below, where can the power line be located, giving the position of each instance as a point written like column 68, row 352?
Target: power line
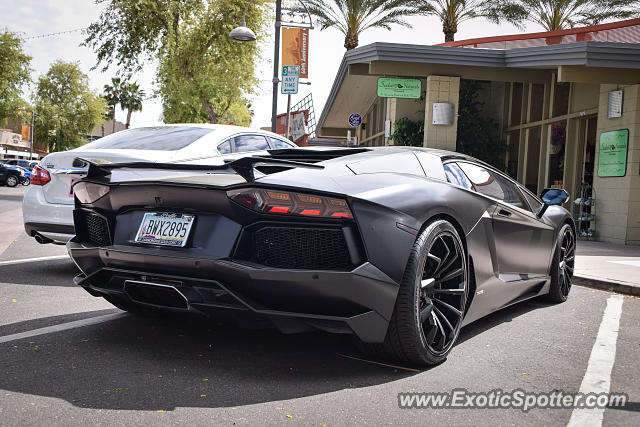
column 42, row 36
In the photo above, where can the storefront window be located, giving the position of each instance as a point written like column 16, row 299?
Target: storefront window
column 557, row 149
column 513, row 151
column 516, row 104
column 561, row 99
column 533, row 159
column 537, row 101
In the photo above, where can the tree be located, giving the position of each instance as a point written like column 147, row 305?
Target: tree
column 556, row 15
column 453, row 12
column 112, row 93
column 353, row 17
column 67, row 106
column 478, row 136
column 131, row 99
column 15, row 73
column 201, row 73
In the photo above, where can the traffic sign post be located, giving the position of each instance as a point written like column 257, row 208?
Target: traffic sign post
column 290, row 79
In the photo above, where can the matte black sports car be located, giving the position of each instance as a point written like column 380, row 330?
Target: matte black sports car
column 398, row 246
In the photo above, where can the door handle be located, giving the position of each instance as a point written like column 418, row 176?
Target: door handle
column 504, row 212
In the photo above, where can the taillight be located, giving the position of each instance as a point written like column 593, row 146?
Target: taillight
column 39, row 176
column 290, row 203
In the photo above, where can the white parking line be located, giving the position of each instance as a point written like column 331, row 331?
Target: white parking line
column 597, row 379
column 62, row 327
column 25, row 260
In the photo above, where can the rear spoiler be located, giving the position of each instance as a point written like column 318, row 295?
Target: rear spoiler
column 245, row 166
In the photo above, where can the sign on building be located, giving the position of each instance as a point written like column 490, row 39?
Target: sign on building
column 298, row 125
column 612, row 155
column 290, row 78
column 355, row 120
column 295, row 49
column 391, row 87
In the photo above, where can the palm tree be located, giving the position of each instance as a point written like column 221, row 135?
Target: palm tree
column 556, row 15
column 353, row 17
column 454, row 12
column 131, row 99
column 112, row 94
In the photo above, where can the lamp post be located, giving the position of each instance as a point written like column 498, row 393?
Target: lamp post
column 245, row 34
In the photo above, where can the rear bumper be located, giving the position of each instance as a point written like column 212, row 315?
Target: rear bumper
column 54, row 221
column 359, row 302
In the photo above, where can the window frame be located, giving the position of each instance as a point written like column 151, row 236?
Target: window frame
column 517, row 186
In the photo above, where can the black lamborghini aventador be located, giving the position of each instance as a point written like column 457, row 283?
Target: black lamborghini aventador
column 399, row 246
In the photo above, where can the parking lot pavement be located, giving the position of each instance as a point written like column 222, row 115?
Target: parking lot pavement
column 67, row 358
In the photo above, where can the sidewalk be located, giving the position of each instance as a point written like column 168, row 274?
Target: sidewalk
column 608, row 266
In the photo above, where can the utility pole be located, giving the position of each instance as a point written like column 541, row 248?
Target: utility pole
column 276, row 68
column 33, row 116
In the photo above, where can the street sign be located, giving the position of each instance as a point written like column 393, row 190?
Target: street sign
column 391, row 87
column 290, row 77
column 355, row 120
column 612, row 156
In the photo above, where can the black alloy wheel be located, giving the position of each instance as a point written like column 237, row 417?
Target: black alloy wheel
column 443, row 292
column 431, row 299
column 563, row 264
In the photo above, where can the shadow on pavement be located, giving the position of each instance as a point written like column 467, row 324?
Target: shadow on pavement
column 139, row 363
column 59, row 272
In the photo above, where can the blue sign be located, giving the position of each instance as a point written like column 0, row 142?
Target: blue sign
column 355, row 120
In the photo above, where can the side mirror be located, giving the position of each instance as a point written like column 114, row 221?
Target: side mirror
column 552, row 197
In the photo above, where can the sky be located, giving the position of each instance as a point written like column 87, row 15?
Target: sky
column 37, row 17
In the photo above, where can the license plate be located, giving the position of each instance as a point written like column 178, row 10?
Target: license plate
column 168, row 229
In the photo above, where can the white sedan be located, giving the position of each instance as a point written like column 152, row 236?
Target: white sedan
column 48, row 202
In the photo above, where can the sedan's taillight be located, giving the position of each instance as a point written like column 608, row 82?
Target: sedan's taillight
column 290, row 203
column 39, row 176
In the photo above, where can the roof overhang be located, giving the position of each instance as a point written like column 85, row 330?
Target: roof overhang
column 354, row 87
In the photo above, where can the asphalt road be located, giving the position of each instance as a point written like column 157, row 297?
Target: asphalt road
column 67, row 358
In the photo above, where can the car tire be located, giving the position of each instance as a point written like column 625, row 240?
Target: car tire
column 430, row 304
column 26, row 182
column 11, row 181
column 562, row 265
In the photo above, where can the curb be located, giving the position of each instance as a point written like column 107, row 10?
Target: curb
column 607, row 285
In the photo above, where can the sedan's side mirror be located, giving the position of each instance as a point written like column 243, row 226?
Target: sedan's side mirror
column 552, row 197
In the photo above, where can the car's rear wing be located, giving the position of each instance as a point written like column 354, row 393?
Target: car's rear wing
column 245, row 167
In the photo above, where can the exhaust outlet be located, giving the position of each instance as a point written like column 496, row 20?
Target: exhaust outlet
column 156, row 294
column 42, row 240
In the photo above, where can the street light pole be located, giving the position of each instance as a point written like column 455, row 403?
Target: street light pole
column 276, row 67
column 33, row 116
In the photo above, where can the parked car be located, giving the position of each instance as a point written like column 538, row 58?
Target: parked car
column 48, row 202
column 10, row 175
column 27, row 164
column 26, row 179
column 399, row 246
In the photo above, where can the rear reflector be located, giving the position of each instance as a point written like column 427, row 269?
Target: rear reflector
column 290, row 203
column 40, row 176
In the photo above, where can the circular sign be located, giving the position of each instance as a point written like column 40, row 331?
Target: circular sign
column 355, row 120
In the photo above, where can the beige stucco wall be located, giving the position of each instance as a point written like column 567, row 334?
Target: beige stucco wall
column 618, row 198
column 441, row 89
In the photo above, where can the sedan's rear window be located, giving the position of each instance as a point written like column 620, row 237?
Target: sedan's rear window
column 153, row 138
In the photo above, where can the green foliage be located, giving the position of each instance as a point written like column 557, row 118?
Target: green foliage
column 353, row 17
column 408, row 132
column 131, row 99
column 202, row 75
column 14, row 74
column 67, row 106
column 453, row 12
column 478, row 136
column 562, row 14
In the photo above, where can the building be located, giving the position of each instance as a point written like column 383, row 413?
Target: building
column 559, row 97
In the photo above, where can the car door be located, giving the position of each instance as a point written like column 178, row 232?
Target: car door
column 524, row 243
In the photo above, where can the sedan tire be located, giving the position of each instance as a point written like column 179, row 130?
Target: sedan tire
column 11, row 181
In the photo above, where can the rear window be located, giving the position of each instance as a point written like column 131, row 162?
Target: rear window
column 157, row 138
